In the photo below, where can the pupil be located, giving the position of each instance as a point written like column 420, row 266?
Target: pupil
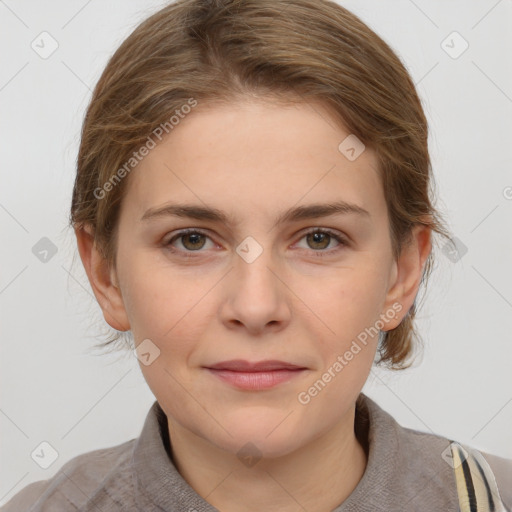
column 319, row 238
column 194, row 239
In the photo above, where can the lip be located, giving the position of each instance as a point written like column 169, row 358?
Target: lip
column 240, row 365
column 255, row 376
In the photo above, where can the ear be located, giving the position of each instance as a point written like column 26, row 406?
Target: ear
column 103, row 280
column 408, row 272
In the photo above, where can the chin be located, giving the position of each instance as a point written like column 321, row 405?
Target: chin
column 261, row 439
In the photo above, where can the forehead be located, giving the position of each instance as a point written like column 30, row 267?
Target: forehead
column 256, row 153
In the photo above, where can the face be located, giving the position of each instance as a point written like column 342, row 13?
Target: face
column 251, row 283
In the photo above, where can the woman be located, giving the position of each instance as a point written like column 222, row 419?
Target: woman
column 252, row 205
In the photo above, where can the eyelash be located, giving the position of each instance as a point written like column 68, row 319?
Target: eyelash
column 319, row 253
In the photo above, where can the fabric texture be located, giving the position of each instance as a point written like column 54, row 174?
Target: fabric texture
column 476, row 484
column 407, row 470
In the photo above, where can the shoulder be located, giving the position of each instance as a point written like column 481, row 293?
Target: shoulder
column 502, row 470
column 485, row 472
column 426, row 468
column 77, row 481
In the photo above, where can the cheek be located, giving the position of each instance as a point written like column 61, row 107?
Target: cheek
column 346, row 325
column 346, row 301
column 169, row 308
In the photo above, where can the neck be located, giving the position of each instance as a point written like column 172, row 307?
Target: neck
column 318, row 477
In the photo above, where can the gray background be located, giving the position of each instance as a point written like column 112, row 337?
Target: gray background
column 55, row 389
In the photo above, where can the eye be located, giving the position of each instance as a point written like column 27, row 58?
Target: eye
column 192, row 240
column 319, row 240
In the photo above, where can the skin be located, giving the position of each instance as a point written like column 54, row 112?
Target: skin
column 254, row 159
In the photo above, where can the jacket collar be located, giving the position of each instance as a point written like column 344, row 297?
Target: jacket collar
column 405, row 469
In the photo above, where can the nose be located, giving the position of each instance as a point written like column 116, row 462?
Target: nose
column 257, row 298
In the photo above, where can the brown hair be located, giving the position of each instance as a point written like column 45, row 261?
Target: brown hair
column 221, row 50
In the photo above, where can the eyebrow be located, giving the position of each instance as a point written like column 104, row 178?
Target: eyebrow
column 311, row 211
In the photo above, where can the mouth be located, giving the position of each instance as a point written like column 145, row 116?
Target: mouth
column 255, row 376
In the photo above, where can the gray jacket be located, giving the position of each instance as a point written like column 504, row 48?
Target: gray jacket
column 407, row 470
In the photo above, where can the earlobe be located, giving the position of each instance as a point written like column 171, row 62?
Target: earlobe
column 102, row 279
column 408, row 272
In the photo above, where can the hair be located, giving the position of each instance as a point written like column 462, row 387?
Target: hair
column 221, row 51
